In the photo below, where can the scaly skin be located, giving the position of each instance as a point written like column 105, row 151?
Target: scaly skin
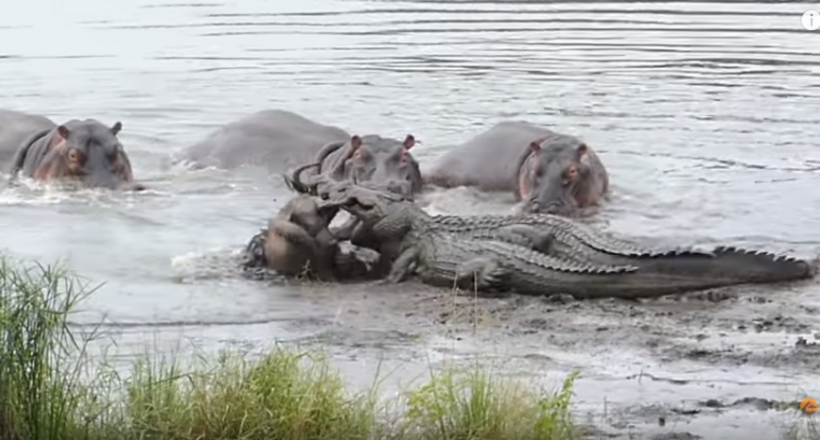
column 442, row 258
column 553, row 235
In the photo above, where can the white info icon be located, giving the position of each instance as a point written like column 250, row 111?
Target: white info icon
column 810, row 20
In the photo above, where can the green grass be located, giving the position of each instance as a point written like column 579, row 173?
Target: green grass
column 50, row 388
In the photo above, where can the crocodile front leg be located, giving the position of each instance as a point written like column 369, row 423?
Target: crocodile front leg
column 402, row 266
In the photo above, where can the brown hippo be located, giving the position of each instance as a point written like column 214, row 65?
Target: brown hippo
column 84, row 151
column 298, row 239
column 273, row 139
column 551, row 172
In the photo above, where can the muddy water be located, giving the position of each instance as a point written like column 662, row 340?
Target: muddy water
column 705, row 113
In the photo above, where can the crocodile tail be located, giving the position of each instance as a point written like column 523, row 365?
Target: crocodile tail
column 761, row 266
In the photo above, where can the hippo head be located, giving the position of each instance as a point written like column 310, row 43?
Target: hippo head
column 554, row 175
column 383, row 162
column 87, row 152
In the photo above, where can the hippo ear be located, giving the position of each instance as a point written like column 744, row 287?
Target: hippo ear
column 535, row 145
column 409, row 141
column 115, row 129
column 355, row 142
column 582, row 152
column 63, row 131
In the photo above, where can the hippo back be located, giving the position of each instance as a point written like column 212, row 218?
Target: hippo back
column 18, row 129
column 274, row 139
column 489, row 160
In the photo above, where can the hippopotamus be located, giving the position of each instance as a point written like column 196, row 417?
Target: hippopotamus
column 553, row 173
column 85, row 151
column 298, row 239
column 274, row 139
column 381, row 161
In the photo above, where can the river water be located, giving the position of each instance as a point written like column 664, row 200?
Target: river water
column 706, row 115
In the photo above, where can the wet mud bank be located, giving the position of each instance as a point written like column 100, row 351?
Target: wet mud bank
column 719, row 362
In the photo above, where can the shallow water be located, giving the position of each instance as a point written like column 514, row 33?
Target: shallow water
column 705, row 114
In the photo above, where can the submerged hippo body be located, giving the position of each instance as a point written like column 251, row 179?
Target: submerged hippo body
column 84, row 151
column 551, row 172
column 273, row 139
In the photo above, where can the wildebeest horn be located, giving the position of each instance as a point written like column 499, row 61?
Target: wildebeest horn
column 294, row 180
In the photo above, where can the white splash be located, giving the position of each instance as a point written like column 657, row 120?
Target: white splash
column 211, row 263
column 464, row 201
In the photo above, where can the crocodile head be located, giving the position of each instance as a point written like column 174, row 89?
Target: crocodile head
column 371, row 205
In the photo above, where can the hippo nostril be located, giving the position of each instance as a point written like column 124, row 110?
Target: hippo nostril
column 399, row 188
column 553, row 208
column 537, row 207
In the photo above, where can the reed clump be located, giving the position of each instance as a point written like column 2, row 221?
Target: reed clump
column 798, row 425
column 50, row 388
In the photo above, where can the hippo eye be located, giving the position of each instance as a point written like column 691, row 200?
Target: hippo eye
column 571, row 173
column 74, row 155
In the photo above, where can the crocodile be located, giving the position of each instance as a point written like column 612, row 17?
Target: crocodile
column 547, row 233
column 445, row 259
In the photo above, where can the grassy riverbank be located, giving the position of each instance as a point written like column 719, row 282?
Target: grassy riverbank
column 50, row 388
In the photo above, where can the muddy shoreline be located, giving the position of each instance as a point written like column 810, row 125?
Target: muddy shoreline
column 678, row 366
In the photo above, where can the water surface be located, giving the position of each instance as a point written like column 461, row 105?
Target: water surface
column 705, row 114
